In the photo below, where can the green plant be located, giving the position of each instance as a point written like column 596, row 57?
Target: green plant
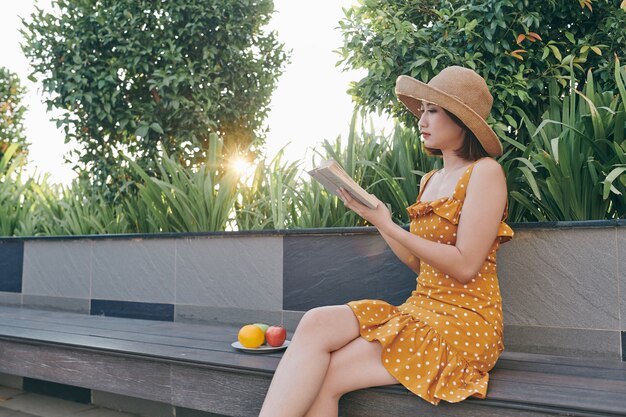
column 387, row 166
column 15, row 202
column 193, row 199
column 77, row 209
column 136, row 76
column 11, row 111
column 518, row 46
column 269, row 200
column 320, row 208
column 576, row 164
column 400, row 170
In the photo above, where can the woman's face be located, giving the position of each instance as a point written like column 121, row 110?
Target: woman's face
column 439, row 131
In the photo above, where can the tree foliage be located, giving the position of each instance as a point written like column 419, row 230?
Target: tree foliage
column 11, row 112
column 147, row 77
column 518, row 46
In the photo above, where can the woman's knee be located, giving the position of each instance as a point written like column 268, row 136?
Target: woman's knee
column 328, row 327
column 319, row 320
column 315, row 320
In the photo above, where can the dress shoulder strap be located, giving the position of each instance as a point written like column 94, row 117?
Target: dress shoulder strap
column 461, row 186
column 426, row 177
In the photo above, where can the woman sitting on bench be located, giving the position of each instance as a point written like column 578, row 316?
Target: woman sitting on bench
column 441, row 343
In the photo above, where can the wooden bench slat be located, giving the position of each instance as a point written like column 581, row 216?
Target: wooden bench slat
column 538, row 358
column 206, row 356
column 182, row 330
column 581, row 369
column 223, row 342
column 220, row 337
column 548, row 379
column 567, row 397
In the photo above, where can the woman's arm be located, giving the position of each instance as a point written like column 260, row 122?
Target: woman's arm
column 478, row 226
column 402, row 253
column 405, row 255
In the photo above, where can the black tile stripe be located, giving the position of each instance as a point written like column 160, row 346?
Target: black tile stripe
column 133, row 310
column 11, row 263
column 325, row 270
column 54, row 389
column 624, row 346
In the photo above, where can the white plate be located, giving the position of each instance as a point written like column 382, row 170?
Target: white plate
column 261, row 349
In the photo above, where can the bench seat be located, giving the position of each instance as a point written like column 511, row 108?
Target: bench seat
column 194, row 366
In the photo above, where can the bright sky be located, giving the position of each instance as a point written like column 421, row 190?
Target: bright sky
column 309, row 105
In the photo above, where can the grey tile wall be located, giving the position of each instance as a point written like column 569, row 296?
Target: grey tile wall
column 57, row 268
column 242, row 272
column 291, row 319
column 10, row 298
column 236, row 316
column 563, row 341
column 226, row 315
column 134, row 270
column 326, row 270
column 44, row 302
column 560, row 278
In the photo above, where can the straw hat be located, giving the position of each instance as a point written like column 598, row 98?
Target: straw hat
column 459, row 90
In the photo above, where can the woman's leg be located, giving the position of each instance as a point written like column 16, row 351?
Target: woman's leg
column 355, row 366
column 301, row 370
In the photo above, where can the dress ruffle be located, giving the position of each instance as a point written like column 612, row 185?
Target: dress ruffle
column 433, row 370
column 449, row 208
column 505, row 233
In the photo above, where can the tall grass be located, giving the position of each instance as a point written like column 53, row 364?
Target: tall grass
column 78, row 209
column 400, row 170
column 187, row 199
column 269, row 201
column 576, row 163
column 572, row 168
column 355, row 157
column 388, row 166
column 19, row 210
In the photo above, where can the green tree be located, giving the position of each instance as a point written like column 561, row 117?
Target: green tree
column 519, row 46
column 143, row 78
column 11, row 112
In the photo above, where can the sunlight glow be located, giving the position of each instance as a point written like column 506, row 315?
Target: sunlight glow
column 244, row 169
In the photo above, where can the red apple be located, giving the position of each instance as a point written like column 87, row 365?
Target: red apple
column 275, row 335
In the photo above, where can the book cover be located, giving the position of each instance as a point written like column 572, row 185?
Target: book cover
column 332, row 176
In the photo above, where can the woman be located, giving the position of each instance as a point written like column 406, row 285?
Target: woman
column 443, row 340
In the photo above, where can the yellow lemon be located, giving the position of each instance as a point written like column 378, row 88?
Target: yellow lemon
column 251, row 336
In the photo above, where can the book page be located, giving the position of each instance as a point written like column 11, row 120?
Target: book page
column 332, row 176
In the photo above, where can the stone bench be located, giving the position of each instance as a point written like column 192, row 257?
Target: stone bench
column 193, row 367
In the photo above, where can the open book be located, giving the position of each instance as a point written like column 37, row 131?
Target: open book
column 332, row 176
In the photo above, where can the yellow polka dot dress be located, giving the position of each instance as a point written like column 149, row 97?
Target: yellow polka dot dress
column 444, row 339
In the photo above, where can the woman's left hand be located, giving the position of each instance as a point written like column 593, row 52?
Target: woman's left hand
column 377, row 217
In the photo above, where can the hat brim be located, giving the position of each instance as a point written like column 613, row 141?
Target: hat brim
column 412, row 92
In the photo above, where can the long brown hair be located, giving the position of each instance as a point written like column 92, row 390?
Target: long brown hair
column 471, row 149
